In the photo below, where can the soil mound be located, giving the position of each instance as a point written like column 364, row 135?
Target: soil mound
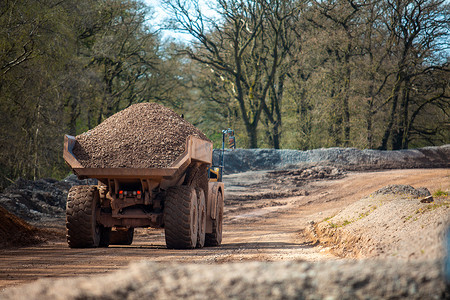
column 145, row 135
column 34, row 200
column 15, row 232
column 256, row 280
column 392, row 222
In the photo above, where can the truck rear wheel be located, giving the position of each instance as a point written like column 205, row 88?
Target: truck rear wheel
column 122, row 236
column 181, row 217
column 215, row 238
column 83, row 231
column 201, row 218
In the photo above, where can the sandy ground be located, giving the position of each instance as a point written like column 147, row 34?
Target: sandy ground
column 265, row 220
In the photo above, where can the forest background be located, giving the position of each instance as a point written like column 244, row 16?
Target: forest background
column 297, row 74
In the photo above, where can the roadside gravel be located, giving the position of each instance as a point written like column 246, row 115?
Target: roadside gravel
column 350, row 159
column 254, row 280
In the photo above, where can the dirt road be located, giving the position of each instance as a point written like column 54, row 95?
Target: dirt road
column 264, row 221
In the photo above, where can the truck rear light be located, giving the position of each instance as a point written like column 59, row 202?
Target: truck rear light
column 123, row 194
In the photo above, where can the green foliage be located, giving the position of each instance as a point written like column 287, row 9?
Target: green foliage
column 35, row 52
column 345, row 223
column 440, row 193
column 65, row 66
column 432, row 206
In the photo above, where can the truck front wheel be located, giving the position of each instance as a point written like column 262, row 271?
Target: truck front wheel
column 83, row 231
column 181, row 217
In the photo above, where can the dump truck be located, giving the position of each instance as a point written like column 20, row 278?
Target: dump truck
column 180, row 198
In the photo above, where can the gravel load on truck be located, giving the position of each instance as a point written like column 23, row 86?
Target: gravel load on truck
column 145, row 135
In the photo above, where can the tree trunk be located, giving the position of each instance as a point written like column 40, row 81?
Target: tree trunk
column 276, row 136
column 346, row 96
column 370, row 112
column 252, row 134
column 405, row 116
column 394, row 96
column 274, row 113
column 399, row 132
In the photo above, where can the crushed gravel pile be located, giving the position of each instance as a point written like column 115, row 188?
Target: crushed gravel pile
column 145, row 135
column 306, row 173
column 256, row 280
column 401, row 189
column 350, row 159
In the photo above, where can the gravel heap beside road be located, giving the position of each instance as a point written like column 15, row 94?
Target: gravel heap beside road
column 34, row 200
column 301, row 174
column 242, row 160
column 14, row 232
column 256, row 280
column 401, row 189
column 145, row 135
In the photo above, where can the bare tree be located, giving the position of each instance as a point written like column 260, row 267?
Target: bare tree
column 416, row 29
column 247, row 46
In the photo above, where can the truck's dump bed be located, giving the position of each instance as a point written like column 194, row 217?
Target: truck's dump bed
column 196, row 150
column 145, row 140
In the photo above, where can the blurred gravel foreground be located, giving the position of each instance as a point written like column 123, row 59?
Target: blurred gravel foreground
column 365, row 279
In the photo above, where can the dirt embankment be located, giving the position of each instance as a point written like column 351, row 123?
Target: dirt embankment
column 15, row 232
column 397, row 221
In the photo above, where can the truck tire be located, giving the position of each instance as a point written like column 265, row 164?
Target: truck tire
column 122, row 236
column 201, row 218
column 181, row 217
column 215, row 238
column 83, row 231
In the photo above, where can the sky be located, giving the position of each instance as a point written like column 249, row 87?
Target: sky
column 160, row 14
column 158, row 19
